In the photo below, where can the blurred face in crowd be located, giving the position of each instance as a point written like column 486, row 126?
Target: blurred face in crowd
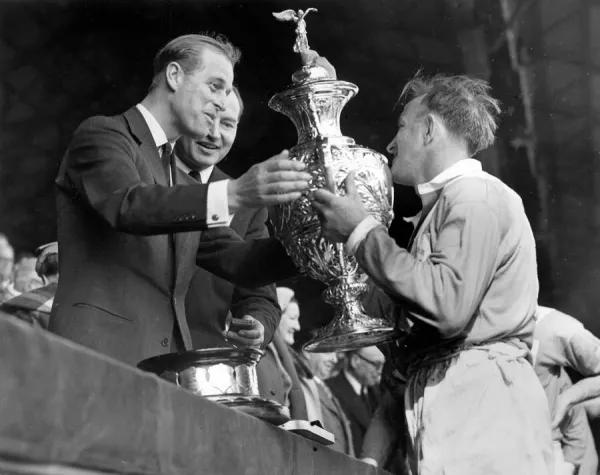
column 25, row 276
column 7, row 260
column 199, row 96
column 366, row 365
column 407, row 148
column 199, row 154
column 290, row 322
column 322, row 364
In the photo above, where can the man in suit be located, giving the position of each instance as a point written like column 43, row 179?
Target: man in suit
column 128, row 219
column 357, row 389
column 211, row 302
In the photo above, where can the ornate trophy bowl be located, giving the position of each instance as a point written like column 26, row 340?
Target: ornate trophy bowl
column 314, row 104
column 223, row 375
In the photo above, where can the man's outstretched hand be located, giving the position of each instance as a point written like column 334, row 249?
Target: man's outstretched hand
column 274, row 181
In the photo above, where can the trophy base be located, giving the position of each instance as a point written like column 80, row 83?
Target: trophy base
column 350, row 339
column 263, row 409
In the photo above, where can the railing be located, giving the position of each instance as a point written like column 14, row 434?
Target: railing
column 69, row 411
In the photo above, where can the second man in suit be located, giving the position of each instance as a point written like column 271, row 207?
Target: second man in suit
column 211, row 302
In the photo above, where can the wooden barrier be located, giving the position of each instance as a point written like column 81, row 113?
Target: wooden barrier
column 70, row 411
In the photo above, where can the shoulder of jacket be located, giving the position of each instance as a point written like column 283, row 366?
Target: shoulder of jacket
column 480, row 188
column 102, row 123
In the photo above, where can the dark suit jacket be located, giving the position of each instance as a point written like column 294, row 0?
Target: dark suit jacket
column 271, row 382
column 210, row 298
column 359, row 415
column 123, row 279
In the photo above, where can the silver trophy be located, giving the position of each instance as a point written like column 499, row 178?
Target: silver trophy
column 314, row 103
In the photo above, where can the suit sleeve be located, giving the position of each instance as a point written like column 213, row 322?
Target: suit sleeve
column 100, row 169
column 244, row 263
column 444, row 288
column 259, row 302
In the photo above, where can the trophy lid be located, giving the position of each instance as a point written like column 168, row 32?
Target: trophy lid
column 314, row 68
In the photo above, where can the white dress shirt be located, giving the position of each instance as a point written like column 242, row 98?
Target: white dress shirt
column 204, row 174
column 217, row 205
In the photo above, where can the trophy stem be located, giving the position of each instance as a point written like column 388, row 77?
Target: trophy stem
column 351, row 328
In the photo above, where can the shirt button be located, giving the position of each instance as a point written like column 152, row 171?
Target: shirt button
column 215, row 217
column 165, row 342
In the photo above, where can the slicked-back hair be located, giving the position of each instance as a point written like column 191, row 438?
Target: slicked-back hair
column 187, row 51
column 463, row 103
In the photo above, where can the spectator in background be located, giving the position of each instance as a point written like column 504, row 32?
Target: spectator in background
column 7, row 262
column 25, row 276
column 35, row 305
column 313, row 369
column 277, row 377
column 357, row 389
column 560, row 342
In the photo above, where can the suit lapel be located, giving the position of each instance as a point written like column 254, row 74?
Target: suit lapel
column 141, row 131
column 217, row 174
column 185, row 243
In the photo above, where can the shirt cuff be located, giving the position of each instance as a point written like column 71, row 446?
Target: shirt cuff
column 360, row 233
column 217, row 205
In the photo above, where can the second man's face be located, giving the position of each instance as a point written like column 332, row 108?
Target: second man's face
column 199, row 154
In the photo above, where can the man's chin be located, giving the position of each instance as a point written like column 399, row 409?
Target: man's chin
column 401, row 180
column 206, row 156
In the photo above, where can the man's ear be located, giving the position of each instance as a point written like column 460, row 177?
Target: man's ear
column 173, row 75
column 430, row 128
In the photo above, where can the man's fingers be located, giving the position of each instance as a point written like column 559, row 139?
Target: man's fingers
column 351, row 184
column 288, row 175
column 323, row 196
column 250, row 318
column 284, row 187
column 282, row 162
column 250, row 334
column 320, row 207
column 247, row 342
column 283, row 155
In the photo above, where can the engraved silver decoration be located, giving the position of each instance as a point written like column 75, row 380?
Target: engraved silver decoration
column 223, row 375
column 314, row 103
